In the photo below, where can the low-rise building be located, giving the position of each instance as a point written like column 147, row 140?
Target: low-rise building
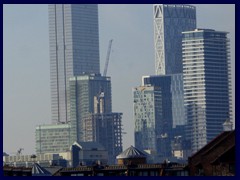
column 29, row 160
column 217, row 158
column 52, row 138
column 83, row 153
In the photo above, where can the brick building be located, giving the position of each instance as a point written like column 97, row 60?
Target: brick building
column 217, row 158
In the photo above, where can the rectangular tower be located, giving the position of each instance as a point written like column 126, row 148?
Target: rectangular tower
column 148, row 118
column 74, row 49
column 170, row 20
column 82, row 92
column 106, row 129
column 206, row 75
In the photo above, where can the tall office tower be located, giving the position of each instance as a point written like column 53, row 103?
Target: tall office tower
column 82, row 90
column 170, row 21
column 74, row 49
column 206, row 74
column 148, row 118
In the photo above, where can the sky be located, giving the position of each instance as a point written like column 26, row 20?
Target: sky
column 26, row 65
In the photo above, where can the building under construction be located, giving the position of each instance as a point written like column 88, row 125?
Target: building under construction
column 105, row 129
column 91, row 117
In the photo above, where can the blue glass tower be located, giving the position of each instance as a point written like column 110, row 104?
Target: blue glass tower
column 74, row 50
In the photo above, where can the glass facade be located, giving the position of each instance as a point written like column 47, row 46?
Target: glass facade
column 206, row 75
column 170, row 20
column 173, row 117
column 82, row 90
column 148, row 118
column 177, row 100
column 52, row 138
column 74, row 50
column 164, row 82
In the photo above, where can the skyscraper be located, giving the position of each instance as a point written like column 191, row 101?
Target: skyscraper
column 206, row 75
column 177, row 100
column 148, row 118
column 74, row 50
column 170, row 20
column 82, row 92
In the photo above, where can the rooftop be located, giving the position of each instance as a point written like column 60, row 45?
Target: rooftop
column 131, row 152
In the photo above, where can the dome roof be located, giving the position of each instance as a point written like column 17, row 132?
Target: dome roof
column 131, row 152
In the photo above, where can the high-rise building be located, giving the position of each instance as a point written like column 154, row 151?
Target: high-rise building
column 173, row 117
column 74, row 50
column 106, row 129
column 177, row 100
column 170, row 20
column 206, row 75
column 82, row 92
column 148, row 118
column 91, row 116
column 164, row 82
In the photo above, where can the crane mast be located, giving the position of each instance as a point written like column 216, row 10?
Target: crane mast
column 108, row 57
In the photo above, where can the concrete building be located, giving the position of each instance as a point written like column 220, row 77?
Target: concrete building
column 207, row 92
column 170, row 20
column 74, row 50
column 53, row 138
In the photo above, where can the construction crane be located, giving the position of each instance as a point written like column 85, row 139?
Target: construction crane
column 108, row 57
column 19, row 151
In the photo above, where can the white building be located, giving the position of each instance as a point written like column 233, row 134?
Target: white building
column 207, row 92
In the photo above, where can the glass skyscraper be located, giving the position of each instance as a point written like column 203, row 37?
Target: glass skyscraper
column 177, row 100
column 170, row 20
column 74, row 50
column 148, row 118
column 206, row 76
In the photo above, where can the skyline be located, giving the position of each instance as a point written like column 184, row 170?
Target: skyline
column 125, row 57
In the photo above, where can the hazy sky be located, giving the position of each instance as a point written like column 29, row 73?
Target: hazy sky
column 26, row 66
